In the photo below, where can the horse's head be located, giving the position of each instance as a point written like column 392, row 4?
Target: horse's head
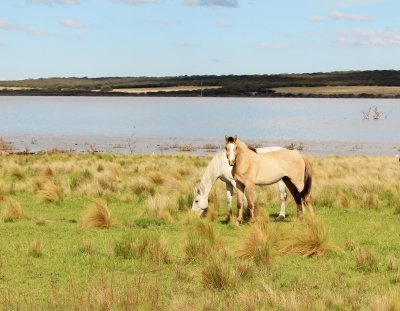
column 230, row 149
column 200, row 202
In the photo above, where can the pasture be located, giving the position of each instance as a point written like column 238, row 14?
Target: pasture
column 114, row 232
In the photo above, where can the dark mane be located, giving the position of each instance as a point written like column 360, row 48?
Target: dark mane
column 252, row 149
column 231, row 139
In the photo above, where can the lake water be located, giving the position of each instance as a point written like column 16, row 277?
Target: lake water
column 154, row 122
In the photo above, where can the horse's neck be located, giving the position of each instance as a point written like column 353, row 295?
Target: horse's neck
column 244, row 154
column 213, row 171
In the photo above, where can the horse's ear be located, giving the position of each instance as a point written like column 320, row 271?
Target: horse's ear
column 226, row 138
column 235, row 138
column 196, row 190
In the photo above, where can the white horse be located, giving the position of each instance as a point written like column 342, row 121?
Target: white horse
column 220, row 168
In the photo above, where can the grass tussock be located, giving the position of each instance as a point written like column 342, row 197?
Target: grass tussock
column 13, row 211
column 2, row 193
column 218, row 275
column 259, row 244
column 201, row 241
column 47, row 173
column 41, row 221
column 87, row 247
column 152, row 246
column 98, row 216
column 309, row 238
column 50, row 193
column 35, row 248
column 365, row 260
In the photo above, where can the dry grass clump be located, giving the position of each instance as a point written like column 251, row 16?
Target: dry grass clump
column 106, row 181
column 201, row 241
column 151, row 245
column 35, row 248
column 41, row 221
column 98, row 216
column 392, row 263
column 309, row 238
column 13, row 211
column 47, row 173
column 142, row 188
column 162, row 206
column 87, row 247
column 258, row 246
column 2, row 193
column 218, row 275
column 365, row 260
column 16, row 171
column 50, row 192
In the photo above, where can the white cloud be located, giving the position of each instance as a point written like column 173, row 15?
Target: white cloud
column 226, row 3
column 364, row 37
column 273, row 46
column 51, row 2
column 4, row 25
column 348, row 17
column 36, row 32
column 69, row 23
column 340, row 16
column 358, row 2
column 137, row 1
column 317, row 18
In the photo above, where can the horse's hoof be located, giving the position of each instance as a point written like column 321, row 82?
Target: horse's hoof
column 238, row 222
column 280, row 218
column 252, row 220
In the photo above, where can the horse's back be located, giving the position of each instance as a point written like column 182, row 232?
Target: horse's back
column 283, row 160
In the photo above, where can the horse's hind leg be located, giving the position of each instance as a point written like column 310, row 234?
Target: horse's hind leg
column 240, row 195
column 283, row 196
column 250, row 192
column 307, row 199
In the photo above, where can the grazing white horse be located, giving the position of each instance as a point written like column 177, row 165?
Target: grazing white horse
column 220, row 168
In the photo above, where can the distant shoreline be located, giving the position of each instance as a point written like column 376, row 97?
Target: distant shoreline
column 343, row 84
column 192, row 94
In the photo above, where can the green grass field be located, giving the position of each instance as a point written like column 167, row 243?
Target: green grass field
column 114, row 232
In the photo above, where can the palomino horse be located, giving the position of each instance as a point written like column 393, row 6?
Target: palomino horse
column 220, row 168
column 251, row 168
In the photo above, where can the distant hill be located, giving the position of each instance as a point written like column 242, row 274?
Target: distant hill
column 378, row 83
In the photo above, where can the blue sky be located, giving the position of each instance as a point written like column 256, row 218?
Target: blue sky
column 99, row 38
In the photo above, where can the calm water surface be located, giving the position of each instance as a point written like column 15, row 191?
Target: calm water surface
column 205, row 118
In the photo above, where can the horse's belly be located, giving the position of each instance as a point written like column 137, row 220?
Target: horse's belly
column 268, row 175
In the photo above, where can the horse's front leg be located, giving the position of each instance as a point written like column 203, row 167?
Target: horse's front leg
column 283, row 197
column 240, row 195
column 229, row 194
column 250, row 193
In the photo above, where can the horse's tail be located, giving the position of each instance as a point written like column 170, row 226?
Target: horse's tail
column 307, row 179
